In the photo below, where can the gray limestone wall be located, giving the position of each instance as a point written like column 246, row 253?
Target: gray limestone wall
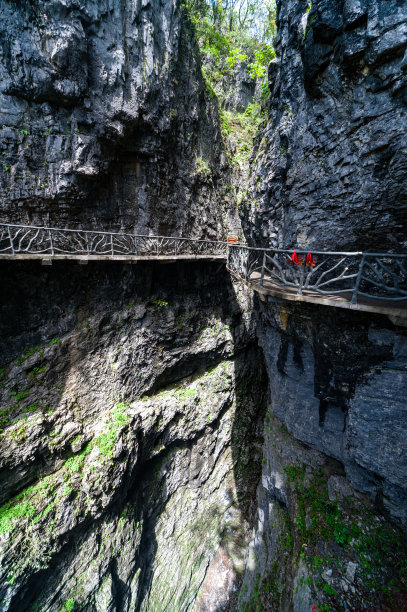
column 330, row 166
column 332, row 502
column 138, row 413
column 106, row 121
column 132, row 401
column 329, row 172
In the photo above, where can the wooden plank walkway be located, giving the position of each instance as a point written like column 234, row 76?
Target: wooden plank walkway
column 47, row 259
column 397, row 311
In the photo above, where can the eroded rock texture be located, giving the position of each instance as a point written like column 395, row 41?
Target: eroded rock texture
column 133, row 397
column 130, row 444
column 326, row 368
column 240, row 89
column 105, row 119
column 333, row 498
column 329, row 172
column 331, row 167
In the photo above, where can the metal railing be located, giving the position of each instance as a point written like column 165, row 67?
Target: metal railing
column 380, row 276
column 31, row 240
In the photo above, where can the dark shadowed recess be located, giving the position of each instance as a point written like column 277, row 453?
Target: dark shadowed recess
column 39, row 303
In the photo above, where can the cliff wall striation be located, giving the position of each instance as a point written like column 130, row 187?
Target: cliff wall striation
column 329, row 172
column 106, row 121
column 131, row 419
column 330, row 169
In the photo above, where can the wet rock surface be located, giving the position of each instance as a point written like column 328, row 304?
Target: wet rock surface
column 330, row 169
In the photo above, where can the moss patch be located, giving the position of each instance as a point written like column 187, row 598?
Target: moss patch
column 331, row 534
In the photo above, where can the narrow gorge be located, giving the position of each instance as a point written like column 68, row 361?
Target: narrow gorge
column 170, row 439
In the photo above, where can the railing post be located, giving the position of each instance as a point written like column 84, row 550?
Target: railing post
column 246, row 267
column 87, row 243
column 227, row 255
column 358, row 279
column 263, row 265
column 51, row 242
column 111, row 243
column 301, row 283
column 11, row 240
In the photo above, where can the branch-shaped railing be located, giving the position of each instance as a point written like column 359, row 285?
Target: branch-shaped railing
column 380, row 276
column 30, row 240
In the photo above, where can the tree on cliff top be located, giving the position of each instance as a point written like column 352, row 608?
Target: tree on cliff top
column 231, row 32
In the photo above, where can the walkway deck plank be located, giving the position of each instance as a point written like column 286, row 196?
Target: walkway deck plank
column 396, row 310
column 122, row 258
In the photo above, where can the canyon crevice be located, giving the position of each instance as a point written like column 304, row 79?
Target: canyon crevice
column 169, row 441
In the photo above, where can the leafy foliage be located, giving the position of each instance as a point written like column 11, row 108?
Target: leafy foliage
column 231, row 32
column 241, row 128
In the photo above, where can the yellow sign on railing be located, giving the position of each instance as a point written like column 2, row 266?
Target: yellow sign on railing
column 230, row 241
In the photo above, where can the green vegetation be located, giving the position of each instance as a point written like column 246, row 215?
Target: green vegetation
column 231, row 32
column 19, row 433
column 14, row 510
column 271, row 586
column 183, row 394
column 75, row 464
column 68, row 605
column 329, row 590
column 308, row 22
column 31, row 408
column 8, row 414
column 324, row 518
column 23, row 505
column 185, row 320
column 202, row 167
column 4, row 418
column 378, row 548
column 107, row 440
column 37, row 371
column 35, row 349
column 28, row 353
column 241, row 128
column 158, row 303
column 20, row 395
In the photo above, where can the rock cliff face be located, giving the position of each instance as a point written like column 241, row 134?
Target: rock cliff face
column 333, row 492
column 129, row 457
column 138, row 414
column 240, row 89
column 131, row 396
column 105, row 119
column 332, row 166
column 329, row 172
